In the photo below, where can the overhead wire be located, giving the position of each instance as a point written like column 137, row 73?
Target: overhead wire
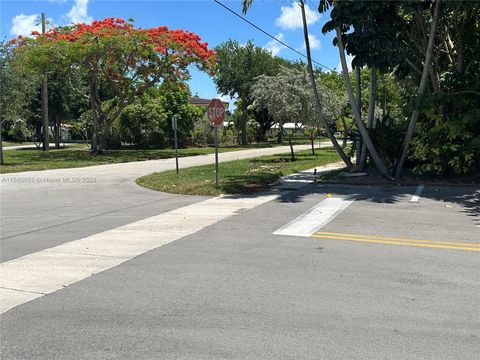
column 268, row 34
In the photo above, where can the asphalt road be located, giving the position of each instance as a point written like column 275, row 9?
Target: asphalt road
column 236, row 290
column 41, row 209
column 386, row 278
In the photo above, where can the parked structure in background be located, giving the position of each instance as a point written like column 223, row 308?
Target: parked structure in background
column 288, row 128
column 200, row 102
column 66, row 131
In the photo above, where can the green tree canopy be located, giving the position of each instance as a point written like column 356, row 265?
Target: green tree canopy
column 237, row 67
column 112, row 51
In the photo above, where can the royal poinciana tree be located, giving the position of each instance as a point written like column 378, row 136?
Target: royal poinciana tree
column 113, row 53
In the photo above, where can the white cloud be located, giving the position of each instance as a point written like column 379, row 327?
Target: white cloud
column 349, row 59
column 24, row 24
column 291, row 17
column 315, row 43
column 78, row 12
column 274, row 46
column 57, row 1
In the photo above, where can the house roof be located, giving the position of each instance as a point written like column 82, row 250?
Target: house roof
column 198, row 101
column 289, row 126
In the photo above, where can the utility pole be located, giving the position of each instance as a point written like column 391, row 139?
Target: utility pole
column 46, row 140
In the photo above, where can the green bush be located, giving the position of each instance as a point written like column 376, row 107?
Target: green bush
column 385, row 136
column 19, row 131
column 143, row 124
column 447, row 146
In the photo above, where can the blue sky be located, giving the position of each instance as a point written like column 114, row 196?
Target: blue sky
column 204, row 17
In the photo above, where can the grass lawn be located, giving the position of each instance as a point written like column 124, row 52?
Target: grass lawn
column 79, row 156
column 240, row 176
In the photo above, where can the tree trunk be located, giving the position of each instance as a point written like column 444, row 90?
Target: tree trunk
column 421, row 91
column 46, row 137
column 280, row 134
column 324, row 123
column 358, row 95
column 344, row 133
column 358, row 120
column 45, row 125
column 57, row 130
column 459, row 47
column 292, row 153
column 384, row 100
column 244, row 124
column 95, row 147
column 103, row 134
column 312, row 141
column 371, row 113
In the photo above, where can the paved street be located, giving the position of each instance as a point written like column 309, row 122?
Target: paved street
column 32, row 146
column 318, row 271
column 83, row 201
column 376, row 257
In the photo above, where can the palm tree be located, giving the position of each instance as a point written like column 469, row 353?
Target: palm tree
column 338, row 148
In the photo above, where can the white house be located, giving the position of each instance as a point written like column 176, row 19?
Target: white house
column 289, row 128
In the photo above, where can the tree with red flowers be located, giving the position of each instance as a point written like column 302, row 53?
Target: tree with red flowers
column 115, row 55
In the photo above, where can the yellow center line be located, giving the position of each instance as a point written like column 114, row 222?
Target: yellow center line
column 438, row 245
column 375, row 237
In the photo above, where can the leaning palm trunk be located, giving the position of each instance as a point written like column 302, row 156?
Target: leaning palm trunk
column 358, row 94
column 358, row 120
column 421, row 91
column 371, row 112
column 324, row 123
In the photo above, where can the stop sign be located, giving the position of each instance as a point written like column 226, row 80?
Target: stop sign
column 216, row 112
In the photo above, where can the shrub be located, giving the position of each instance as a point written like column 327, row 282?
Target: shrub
column 143, row 124
column 19, row 130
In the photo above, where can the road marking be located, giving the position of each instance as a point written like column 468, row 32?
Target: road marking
column 416, row 196
column 399, row 241
column 315, row 218
column 34, row 275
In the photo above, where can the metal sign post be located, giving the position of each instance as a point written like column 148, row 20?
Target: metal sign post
column 216, row 155
column 174, row 126
column 216, row 114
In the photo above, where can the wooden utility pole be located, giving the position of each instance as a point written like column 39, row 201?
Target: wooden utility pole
column 46, row 140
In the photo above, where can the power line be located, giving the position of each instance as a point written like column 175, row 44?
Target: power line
column 268, row 34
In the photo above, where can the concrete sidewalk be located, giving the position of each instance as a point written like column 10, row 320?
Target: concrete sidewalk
column 131, row 170
column 33, row 146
